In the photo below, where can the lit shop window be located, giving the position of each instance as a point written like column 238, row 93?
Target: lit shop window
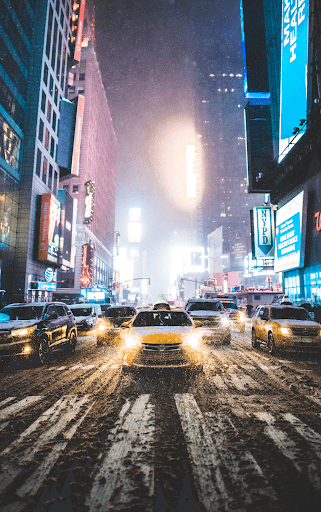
column 10, row 144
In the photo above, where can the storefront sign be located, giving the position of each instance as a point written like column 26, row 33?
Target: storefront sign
column 41, row 285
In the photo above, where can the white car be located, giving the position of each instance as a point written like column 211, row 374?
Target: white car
column 212, row 315
column 87, row 316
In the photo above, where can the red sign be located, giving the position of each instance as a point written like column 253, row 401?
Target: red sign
column 79, row 31
column 87, row 266
column 77, row 136
column 49, row 235
column 318, row 220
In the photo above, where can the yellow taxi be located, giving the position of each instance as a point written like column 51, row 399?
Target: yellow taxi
column 284, row 327
column 161, row 339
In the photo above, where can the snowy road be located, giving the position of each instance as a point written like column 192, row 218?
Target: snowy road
column 77, row 435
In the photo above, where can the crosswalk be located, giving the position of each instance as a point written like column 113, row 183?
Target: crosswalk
column 222, row 465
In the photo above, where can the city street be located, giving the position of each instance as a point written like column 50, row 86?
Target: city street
column 245, row 435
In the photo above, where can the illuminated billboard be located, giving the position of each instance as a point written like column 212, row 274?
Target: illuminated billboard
column 87, row 266
column 290, row 235
column 89, row 202
column 77, row 136
column 49, row 233
column 134, row 232
column 294, row 71
column 263, row 220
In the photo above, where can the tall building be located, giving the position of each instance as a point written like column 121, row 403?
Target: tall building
column 226, row 203
column 33, row 69
column 92, row 180
column 283, row 125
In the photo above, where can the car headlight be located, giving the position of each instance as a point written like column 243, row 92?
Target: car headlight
column 25, row 331
column 192, row 342
column 102, row 327
column 131, row 342
column 224, row 321
column 89, row 321
column 285, row 330
column 242, row 317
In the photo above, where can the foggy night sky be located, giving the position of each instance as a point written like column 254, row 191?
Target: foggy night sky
column 147, row 52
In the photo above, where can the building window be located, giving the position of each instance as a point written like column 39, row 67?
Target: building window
column 50, row 176
column 43, row 102
column 52, row 147
column 45, row 74
column 49, row 32
column 38, row 164
column 55, row 182
column 56, row 95
column 44, row 170
column 51, row 85
column 81, row 90
column 10, row 144
column 54, row 121
column 47, row 137
column 71, row 89
column 40, row 133
column 54, row 45
column 82, row 64
column 82, row 76
column 65, row 187
column 75, row 189
column 49, row 111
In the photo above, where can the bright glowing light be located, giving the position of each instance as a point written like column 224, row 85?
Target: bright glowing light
column 224, row 321
column 190, row 171
column 134, row 232
column 101, row 327
column 132, row 342
column 134, row 214
column 285, row 330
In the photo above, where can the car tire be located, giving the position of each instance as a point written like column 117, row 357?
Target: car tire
column 42, row 352
column 255, row 343
column 271, row 344
column 70, row 347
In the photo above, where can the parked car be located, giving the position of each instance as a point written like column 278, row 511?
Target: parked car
column 87, row 316
column 236, row 316
column 109, row 327
column 214, row 320
column 161, row 339
column 284, row 327
column 36, row 329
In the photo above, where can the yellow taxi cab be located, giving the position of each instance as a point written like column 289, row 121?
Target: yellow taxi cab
column 284, row 327
column 161, row 339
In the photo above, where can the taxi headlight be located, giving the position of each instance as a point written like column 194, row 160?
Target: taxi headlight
column 242, row 317
column 131, row 342
column 101, row 327
column 285, row 330
column 224, row 321
column 25, row 331
column 192, row 342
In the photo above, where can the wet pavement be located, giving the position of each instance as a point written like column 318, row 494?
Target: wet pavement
column 78, row 435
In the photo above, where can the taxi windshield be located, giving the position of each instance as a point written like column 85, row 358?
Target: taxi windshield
column 229, row 305
column 162, row 318
column 289, row 314
column 81, row 311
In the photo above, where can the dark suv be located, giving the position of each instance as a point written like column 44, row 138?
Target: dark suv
column 36, row 329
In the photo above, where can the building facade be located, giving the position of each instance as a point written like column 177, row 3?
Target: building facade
column 93, row 183
column 283, row 142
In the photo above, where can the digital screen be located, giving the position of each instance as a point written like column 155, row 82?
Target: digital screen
column 294, row 69
column 289, row 235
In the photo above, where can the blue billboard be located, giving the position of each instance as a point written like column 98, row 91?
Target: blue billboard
column 294, row 68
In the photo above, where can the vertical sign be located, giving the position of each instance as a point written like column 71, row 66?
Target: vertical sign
column 87, row 266
column 77, row 136
column 89, row 202
column 263, row 231
column 79, row 31
column 49, row 238
column 294, row 69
